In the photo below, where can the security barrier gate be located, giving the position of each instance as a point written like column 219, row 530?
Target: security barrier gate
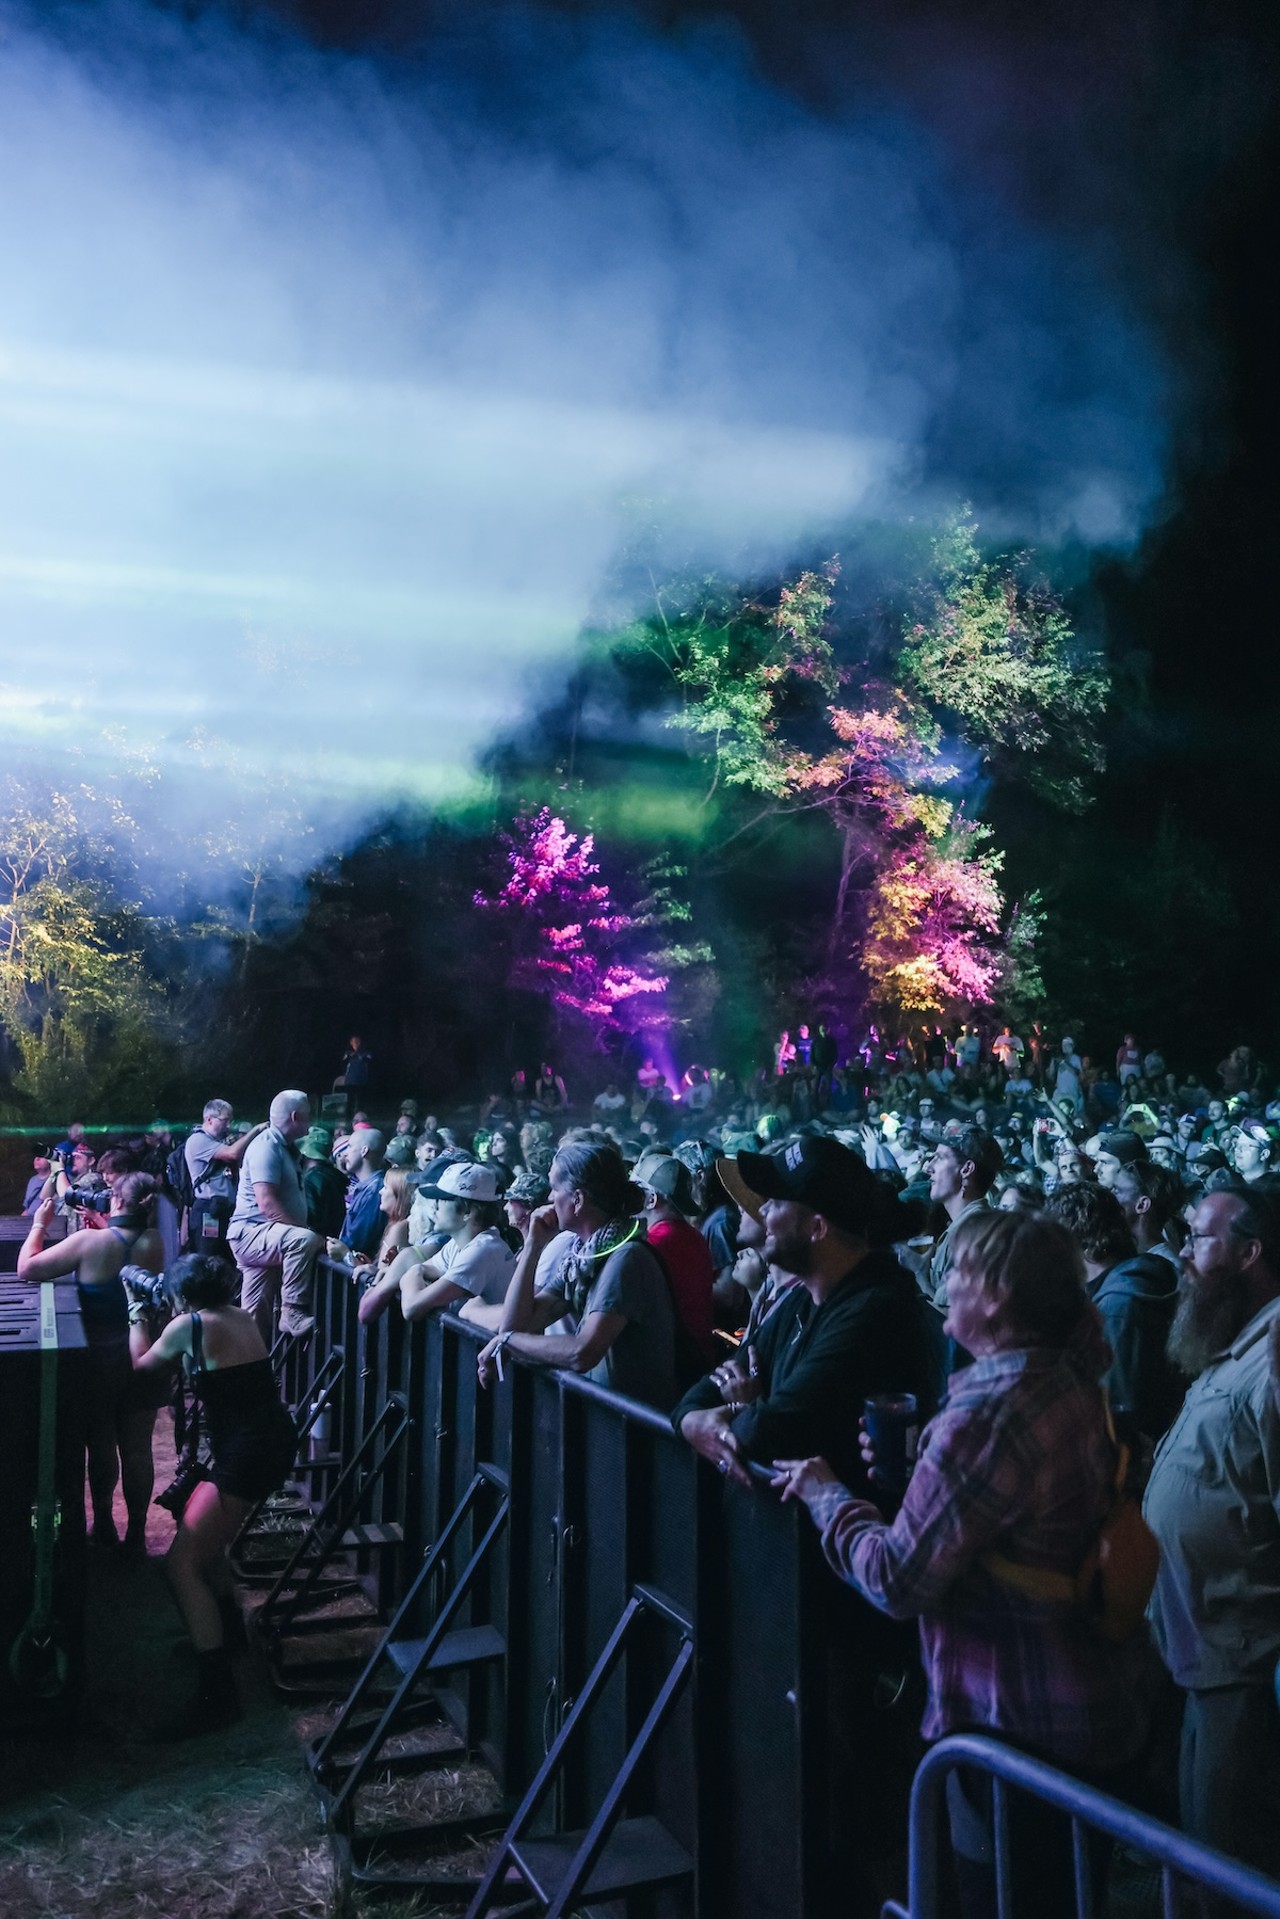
column 601, row 1503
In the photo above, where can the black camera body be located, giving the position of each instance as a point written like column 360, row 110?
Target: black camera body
column 188, row 1476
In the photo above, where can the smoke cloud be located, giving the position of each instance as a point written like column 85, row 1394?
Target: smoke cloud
column 329, row 385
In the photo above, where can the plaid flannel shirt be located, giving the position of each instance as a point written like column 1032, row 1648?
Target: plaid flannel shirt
column 1017, row 1461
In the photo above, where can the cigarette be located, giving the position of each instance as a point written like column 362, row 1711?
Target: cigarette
column 501, row 1375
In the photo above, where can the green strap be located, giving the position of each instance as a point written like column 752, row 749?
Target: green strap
column 46, row 1519
column 37, row 1660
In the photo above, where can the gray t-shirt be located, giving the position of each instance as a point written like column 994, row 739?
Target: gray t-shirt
column 198, row 1153
column 269, row 1161
column 642, row 1360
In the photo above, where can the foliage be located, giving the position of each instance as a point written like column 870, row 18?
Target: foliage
column 82, row 1011
column 988, row 673
column 994, row 651
column 731, row 663
column 566, row 930
column 933, row 922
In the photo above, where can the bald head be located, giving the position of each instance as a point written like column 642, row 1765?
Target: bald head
column 363, row 1151
column 291, row 1114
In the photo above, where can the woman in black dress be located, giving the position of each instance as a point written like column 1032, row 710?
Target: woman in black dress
column 252, row 1440
column 119, row 1418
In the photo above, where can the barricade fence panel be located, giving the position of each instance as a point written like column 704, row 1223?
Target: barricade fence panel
column 607, row 1501
column 1194, row 1878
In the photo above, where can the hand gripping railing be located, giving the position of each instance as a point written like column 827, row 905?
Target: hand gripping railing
column 1176, row 1856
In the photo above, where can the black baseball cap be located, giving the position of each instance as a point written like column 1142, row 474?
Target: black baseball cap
column 1123, row 1145
column 818, row 1172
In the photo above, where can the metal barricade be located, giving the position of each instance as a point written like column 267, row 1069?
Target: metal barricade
column 1178, row 1860
column 606, row 1501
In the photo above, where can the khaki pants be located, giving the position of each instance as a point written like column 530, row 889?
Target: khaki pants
column 263, row 1251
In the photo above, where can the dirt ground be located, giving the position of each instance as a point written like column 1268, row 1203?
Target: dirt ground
column 105, row 1823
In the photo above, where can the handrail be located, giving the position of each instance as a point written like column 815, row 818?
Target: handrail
column 606, row 1501
column 1173, row 1851
column 636, row 1409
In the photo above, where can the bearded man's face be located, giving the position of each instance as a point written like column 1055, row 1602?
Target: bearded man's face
column 1215, row 1297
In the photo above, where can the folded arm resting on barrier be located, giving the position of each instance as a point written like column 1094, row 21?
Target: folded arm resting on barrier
column 423, row 1291
column 526, row 1312
column 565, row 1352
column 813, row 1365
column 417, row 1282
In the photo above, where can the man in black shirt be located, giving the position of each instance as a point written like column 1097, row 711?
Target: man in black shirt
column 853, row 1327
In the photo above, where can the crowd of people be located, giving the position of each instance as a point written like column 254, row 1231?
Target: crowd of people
column 1068, row 1271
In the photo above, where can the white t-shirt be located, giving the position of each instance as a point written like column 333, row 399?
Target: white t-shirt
column 483, row 1267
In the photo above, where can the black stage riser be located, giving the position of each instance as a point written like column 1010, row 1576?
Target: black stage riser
column 19, row 1446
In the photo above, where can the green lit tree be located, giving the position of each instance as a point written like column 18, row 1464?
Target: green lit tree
column 993, row 656
column 984, row 670
column 81, row 1008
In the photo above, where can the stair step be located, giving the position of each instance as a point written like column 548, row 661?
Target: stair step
column 469, row 1646
column 371, row 1537
column 638, row 1852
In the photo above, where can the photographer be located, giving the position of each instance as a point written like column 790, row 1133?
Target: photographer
column 80, row 1188
column 119, row 1420
column 252, row 1440
column 213, row 1167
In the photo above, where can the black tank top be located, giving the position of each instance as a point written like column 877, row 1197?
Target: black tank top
column 104, row 1306
column 239, row 1402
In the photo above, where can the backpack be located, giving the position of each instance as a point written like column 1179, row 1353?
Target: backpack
column 1113, row 1583
column 208, row 1214
column 177, row 1175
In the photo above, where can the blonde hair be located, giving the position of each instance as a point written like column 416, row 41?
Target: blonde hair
column 396, row 1182
column 1032, row 1266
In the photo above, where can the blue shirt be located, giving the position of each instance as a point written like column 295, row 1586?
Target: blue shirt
column 362, row 1227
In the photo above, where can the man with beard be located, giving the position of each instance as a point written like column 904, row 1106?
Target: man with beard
column 852, row 1327
column 848, row 1327
column 1213, row 1502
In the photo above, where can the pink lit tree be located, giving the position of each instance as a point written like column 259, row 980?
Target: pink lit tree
column 568, row 936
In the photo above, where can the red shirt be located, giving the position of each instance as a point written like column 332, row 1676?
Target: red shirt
column 687, row 1258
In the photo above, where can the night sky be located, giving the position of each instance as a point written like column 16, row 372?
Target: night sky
column 1147, row 134
column 1063, row 317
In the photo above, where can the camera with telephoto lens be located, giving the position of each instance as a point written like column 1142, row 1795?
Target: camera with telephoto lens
column 146, row 1289
column 184, row 1482
column 89, row 1199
